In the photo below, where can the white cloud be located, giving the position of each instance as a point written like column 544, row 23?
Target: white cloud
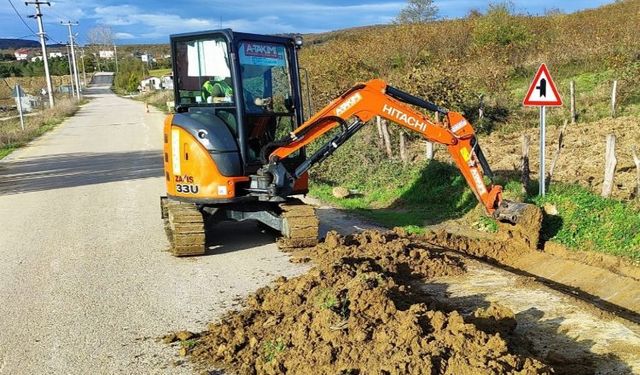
column 124, row 36
column 146, row 24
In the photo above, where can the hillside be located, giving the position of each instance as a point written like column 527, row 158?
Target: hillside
column 488, row 60
column 8, row 43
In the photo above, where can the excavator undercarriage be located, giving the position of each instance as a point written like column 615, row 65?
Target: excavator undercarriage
column 186, row 224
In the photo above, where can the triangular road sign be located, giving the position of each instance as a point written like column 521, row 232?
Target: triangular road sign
column 542, row 91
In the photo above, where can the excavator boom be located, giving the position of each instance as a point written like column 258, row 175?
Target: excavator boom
column 353, row 109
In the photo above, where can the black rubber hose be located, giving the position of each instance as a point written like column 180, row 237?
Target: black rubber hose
column 269, row 147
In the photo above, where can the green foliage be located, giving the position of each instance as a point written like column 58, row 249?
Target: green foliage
column 326, row 299
column 499, row 28
column 486, row 224
column 271, row 349
column 418, row 11
column 130, row 73
column 587, row 221
column 58, row 66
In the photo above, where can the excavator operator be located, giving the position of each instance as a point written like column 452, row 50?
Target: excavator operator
column 217, row 87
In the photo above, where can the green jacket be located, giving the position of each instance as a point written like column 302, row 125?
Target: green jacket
column 217, row 89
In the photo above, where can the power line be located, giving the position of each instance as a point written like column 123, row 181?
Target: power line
column 22, row 19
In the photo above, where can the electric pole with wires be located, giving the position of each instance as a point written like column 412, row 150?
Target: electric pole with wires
column 42, row 35
column 73, row 57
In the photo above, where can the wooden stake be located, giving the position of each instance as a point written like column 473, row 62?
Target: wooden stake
column 609, row 166
column 572, row 87
column 613, row 98
column 403, row 148
column 525, row 163
column 387, row 139
column 379, row 128
column 481, row 108
column 636, row 160
column 429, row 150
column 557, row 154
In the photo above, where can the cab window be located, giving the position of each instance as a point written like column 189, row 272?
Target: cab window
column 267, row 94
column 203, row 71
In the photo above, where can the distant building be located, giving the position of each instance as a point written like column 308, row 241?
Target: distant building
column 147, row 57
column 55, row 54
column 21, row 54
column 167, row 82
column 106, row 54
column 36, row 58
column 150, row 84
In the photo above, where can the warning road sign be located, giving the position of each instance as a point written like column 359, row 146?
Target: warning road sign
column 542, row 91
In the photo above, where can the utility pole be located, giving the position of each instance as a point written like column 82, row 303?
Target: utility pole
column 73, row 57
column 84, row 73
column 70, row 71
column 115, row 53
column 45, row 57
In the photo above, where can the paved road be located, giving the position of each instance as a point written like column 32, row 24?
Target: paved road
column 86, row 284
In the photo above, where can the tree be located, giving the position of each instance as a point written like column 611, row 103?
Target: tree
column 418, row 11
column 100, row 37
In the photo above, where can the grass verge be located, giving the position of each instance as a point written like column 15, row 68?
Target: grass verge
column 12, row 136
column 437, row 193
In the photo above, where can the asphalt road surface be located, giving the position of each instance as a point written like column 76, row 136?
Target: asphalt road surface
column 86, row 283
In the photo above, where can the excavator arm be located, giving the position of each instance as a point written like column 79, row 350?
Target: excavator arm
column 352, row 110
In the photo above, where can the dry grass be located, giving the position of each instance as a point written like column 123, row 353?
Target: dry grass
column 12, row 136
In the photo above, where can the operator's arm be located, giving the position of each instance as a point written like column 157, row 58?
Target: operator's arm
column 374, row 98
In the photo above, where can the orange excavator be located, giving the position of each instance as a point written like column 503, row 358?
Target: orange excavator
column 235, row 147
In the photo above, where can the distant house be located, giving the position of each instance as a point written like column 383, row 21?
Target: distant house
column 55, row 54
column 150, row 84
column 167, row 82
column 106, row 54
column 21, row 54
column 36, row 58
column 147, row 57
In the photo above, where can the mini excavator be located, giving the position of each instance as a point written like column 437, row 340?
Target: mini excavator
column 235, row 147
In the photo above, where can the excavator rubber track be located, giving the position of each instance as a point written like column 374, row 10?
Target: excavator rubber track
column 185, row 227
column 299, row 225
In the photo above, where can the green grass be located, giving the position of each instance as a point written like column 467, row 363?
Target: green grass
column 271, row 349
column 4, row 151
column 421, row 196
column 159, row 72
column 438, row 193
column 587, row 221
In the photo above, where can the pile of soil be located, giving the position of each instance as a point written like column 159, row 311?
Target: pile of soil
column 356, row 312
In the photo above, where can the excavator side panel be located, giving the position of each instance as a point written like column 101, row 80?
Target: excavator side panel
column 190, row 170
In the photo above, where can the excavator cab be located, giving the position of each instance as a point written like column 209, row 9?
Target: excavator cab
column 245, row 85
column 235, row 93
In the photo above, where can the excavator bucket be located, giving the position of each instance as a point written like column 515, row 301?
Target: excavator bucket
column 521, row 221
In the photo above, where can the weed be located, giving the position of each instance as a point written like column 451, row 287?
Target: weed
column 326, row 299
column 271, row 349
column 486, row 224
column 188, row 344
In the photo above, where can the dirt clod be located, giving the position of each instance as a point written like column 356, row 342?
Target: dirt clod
column 340, row 192
column 357, row 312
column 184, row 335
column 495, row 319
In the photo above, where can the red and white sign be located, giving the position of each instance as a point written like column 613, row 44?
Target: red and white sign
column 542, row 91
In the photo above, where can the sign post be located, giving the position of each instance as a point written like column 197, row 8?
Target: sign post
column 18, row 94
column 542, row 93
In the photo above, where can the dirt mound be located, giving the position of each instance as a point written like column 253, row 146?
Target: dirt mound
column 356, row 312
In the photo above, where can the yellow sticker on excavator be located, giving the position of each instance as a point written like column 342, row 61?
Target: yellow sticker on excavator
column 465, row 154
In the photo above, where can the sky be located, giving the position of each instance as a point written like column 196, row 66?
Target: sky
column 153, row 21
